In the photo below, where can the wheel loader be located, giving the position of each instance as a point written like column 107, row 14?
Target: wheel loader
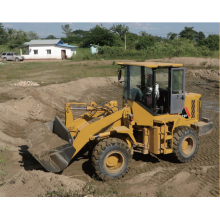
column 157, row 117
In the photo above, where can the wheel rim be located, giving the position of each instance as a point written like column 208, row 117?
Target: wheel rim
column 188, row 145
column 114, row 162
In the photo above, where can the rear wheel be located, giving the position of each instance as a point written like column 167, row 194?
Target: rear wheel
column 185, row 143
column 111, row 158
column 16, row 59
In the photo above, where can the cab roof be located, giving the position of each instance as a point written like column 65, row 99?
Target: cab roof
column 151, row 64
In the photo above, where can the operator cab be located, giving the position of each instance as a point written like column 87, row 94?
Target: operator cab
column 157, row 87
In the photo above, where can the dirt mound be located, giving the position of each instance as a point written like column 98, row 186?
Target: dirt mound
column 211, row 75
column 41, row 139
column 37, row 183
column 190, row 61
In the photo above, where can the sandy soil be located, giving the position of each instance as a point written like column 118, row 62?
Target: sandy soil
column 150, row 175
column 41, row 139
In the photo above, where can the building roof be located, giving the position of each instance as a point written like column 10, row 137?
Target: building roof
column 65, row 45
column 57, row 42
column 151, row 64
column 48, row 41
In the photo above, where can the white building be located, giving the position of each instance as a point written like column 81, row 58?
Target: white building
column 48, row 49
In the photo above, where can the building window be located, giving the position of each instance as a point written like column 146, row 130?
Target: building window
column 35, row 51
column 48, row 51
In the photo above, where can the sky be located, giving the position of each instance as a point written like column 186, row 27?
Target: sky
column 44, row 29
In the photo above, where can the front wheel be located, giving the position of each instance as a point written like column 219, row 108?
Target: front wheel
column 111, row 158
column 16, row 59
column 5, row 59
column 185, row 143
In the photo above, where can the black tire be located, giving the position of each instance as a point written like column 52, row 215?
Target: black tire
column 185, row 143
column 5, row 59
column 111, row 159
column 16, row 59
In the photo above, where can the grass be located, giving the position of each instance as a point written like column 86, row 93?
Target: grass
column 3, row 173
column 90, row 189
column 46, row 73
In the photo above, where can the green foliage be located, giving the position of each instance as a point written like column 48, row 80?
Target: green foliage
column 72, row 40
column 80, row 33
column 5, row 48
column 3, row 35
column 160, row 39
column 199, row 36
column 170, row 48
column 32, row 35
column 83, row 54
column 188, row 33
column 3, row 173
column 99, row 35
column 172, row 36
column 51, row 37
column 119, row 29
column 131, row 40
column 213, row 42
column 145, row 41
column 110, row 51
column 66, row 30
column 18, row 39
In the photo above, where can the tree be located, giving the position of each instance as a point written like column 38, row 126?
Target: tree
column 121, row 30
column 188, row 33
column 199, row 36
column 66, row 30
column 131, row 40
column 172, row 36
column 145, row 41
column 213, row 42
column 19, row 38
column 51, row 37
column 102, row 36
column 32, row 35
column 11, row 32
column 80, row 33
column 160, row 39
column 3, row 35
column 143, row 33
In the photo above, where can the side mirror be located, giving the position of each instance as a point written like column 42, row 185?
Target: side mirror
column 119, row 74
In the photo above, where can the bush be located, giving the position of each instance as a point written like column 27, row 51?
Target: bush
column 145, row 42
column 213, row 42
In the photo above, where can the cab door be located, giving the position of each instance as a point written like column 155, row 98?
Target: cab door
column 177, row 90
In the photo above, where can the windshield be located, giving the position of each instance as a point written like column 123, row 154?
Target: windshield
column 139, row 86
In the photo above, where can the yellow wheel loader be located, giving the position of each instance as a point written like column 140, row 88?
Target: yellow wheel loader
column 157, row 117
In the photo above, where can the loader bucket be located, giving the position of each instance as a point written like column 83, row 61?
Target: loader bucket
column 56, row 159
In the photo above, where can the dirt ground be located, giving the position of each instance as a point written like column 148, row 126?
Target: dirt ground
column 149, row 175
